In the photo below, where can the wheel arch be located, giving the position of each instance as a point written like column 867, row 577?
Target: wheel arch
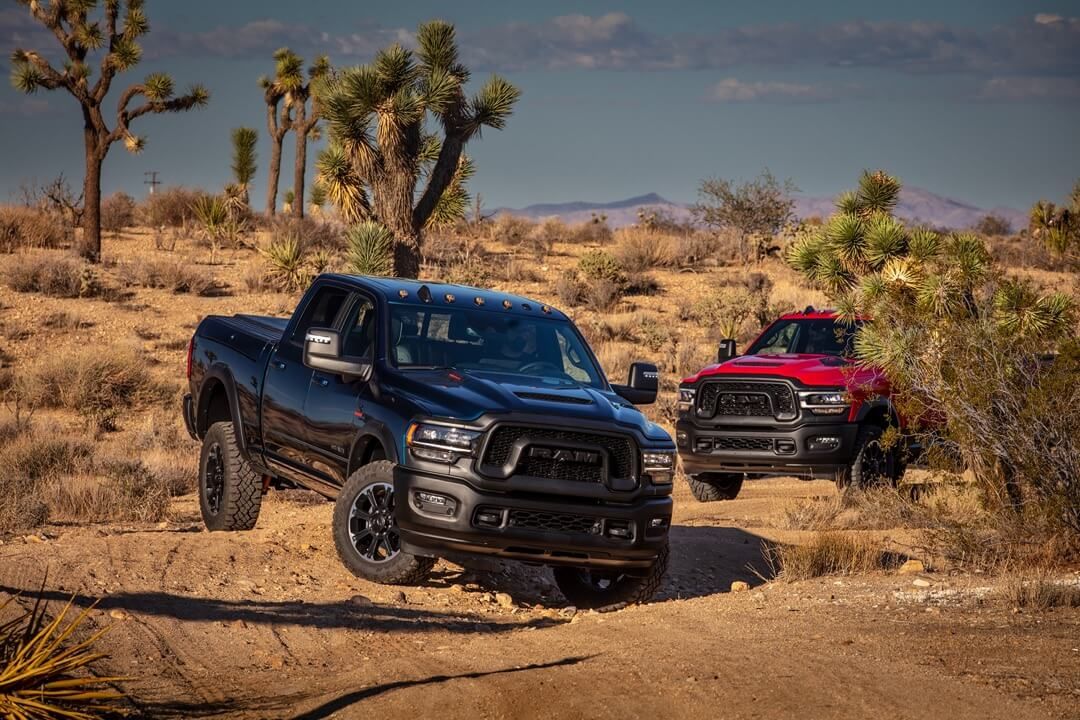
column 371, row 444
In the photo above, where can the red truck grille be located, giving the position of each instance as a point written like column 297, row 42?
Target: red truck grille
column 730, row 398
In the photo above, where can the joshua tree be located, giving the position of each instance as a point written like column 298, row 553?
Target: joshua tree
column 379, row 147
column 277, row 93
column 304, row 124
column 957, row 339
column 1059, row 227
column 122, row 23
column 243, row 160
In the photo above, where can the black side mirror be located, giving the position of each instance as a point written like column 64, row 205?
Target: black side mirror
column 641, row 385
column 322, row 351
column 726, row 351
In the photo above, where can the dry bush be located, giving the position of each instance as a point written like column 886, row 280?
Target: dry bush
column 593, row 232
column 64, row 276
column 615, row 359
column 519, row 271
column 172, row 207
column 653, row 332
column 312, row 233
column 569, row 290
column 884, row 508
column 612, row 328
column 702, row 249
column 540, row 239
column 828, row 553
column 1040, row 591
column 97, row 383
column 601, row 265
column 602, row 294
column 729, row 311
column 1023, row 251
column 178, row 276
column 510, row 230
column 114, row 489
column 29, row 459
column 638, row 250
column 687, row 358
column 22, row 227
column 117, row 212
column 63, row 320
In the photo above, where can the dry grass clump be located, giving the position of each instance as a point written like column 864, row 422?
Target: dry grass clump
column 569, row 290
column 112, row 489
column 638, row 250
column 1040, row 591
column 177, row 276
column 97, row 383
column 29, row 460
column 615, row 359
column 172, row 207
column 510, row 230
column 22, row 227
column 64, row 276
column 828, row 553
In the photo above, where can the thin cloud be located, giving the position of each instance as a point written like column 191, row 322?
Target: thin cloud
column 24, row 107
column 733, row 90
column 1030, row 89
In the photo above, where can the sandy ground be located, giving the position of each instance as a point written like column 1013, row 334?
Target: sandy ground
column 268, row 624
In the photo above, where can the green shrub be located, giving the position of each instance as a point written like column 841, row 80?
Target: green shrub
column 601, row 265
column 370, row 249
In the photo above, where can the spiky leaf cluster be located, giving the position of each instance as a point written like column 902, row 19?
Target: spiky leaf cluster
column 370, row 249
column 1058, row 227
column 244, row 140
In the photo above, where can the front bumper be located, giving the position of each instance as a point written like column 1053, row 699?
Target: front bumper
column 765, row 450
column 555, row 531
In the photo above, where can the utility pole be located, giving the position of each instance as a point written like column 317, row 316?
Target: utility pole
column 153, row 182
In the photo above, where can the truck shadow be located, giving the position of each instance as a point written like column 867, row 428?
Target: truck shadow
column 704, row 561
column 344, row 614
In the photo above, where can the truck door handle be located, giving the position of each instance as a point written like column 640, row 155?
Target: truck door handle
column 323, row 382
column 279, row 365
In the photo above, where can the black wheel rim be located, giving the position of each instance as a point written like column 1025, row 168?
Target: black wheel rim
column 214, row 485
column 877, row 462
column 372, row 529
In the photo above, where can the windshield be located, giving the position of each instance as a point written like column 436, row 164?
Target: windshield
column 811, row 337
column 469, row 339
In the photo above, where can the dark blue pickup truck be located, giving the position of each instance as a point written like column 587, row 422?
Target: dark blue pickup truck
column 445, row 421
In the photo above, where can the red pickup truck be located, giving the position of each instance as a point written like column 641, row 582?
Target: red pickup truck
column 793, row 404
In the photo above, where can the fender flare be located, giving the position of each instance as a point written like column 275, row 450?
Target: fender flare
column 874, row 404
column 377, row 432
column 219, row 372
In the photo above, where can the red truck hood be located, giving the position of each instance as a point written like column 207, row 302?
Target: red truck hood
column 814, row 370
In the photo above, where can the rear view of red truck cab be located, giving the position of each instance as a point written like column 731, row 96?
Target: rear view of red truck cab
column 793, row 404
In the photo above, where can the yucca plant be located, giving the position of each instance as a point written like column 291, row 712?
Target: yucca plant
column 1058, row 227
column 370, row 249
column 244, row 140
column 45, row 673
column 287, row 267
column 116, row 35
column 382, row 149
column 316, row 197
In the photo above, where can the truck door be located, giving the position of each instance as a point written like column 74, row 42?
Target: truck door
column 333, row 409
column 286, row 387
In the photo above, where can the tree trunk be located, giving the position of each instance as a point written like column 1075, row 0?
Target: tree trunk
column 394, row 209
column 90, row 245
column 298, row 172
column 275, row 172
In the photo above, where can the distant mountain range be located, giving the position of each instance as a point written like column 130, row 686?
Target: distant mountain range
column 916, row 206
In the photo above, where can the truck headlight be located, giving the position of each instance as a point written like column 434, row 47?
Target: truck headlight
column 441, row 443
column 825, row 402
column 686, row 399
column 658, row 465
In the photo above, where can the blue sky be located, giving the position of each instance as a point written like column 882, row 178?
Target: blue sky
column 974, row 100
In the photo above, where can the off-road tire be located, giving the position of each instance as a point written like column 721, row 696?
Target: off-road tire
column 865, row 471
column 231, row 502
column 717, row 486
column 577, row 586
column 401, row 569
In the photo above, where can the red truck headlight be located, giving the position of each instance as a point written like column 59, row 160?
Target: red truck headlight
column 825, row 402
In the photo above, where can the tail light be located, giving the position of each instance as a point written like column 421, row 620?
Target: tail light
column 190, row 352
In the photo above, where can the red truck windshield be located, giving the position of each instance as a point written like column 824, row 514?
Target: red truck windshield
column 810, row 337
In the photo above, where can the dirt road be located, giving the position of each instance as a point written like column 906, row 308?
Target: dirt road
column 268, row 624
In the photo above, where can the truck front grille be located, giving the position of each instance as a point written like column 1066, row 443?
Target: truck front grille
column 731, row 398
column 743, row 443
column 618, row 449
column 554, row 522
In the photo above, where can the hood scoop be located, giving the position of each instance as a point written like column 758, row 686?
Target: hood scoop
column 752, row 363
column 553, row 398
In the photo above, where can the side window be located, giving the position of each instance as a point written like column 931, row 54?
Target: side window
column 359, row 338
column 321, row 311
